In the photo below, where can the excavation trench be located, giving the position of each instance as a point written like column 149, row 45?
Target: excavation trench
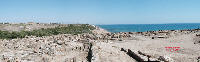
column 89, row 57
column 136, row 56
column 133, row 55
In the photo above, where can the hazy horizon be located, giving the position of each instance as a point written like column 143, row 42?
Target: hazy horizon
column 101, row 11
column 98, row 24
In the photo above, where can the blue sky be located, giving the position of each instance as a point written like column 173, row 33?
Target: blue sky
column 101, row 11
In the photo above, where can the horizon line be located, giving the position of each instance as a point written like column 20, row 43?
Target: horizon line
column 102, row 24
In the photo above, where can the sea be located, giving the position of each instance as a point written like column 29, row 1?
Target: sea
column 148, row 27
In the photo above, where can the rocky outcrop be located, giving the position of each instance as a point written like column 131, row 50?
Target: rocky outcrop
column 197, row 39
column 49, row 48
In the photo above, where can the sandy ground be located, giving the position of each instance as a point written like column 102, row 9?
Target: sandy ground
column 188, row 51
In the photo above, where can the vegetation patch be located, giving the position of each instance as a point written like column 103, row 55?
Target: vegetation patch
column 71, row 29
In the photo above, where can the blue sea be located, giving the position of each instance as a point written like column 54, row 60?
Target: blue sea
column 148, row 27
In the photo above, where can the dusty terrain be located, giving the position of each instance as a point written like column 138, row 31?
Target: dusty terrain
column 27, row 26
column 103, row 46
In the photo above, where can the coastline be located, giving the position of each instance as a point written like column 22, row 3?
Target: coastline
column 104, row 46
column 148, row 27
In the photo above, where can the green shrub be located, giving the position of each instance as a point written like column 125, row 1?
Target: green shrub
column 71, row 29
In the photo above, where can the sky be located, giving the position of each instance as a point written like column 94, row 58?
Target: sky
column 101, row 11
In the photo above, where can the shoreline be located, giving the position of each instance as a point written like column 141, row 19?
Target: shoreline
column 148, row 27
column 104, row 46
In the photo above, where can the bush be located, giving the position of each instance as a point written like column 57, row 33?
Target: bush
column 71, row 29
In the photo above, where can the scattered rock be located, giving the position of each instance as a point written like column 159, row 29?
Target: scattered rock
column 166, row 59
